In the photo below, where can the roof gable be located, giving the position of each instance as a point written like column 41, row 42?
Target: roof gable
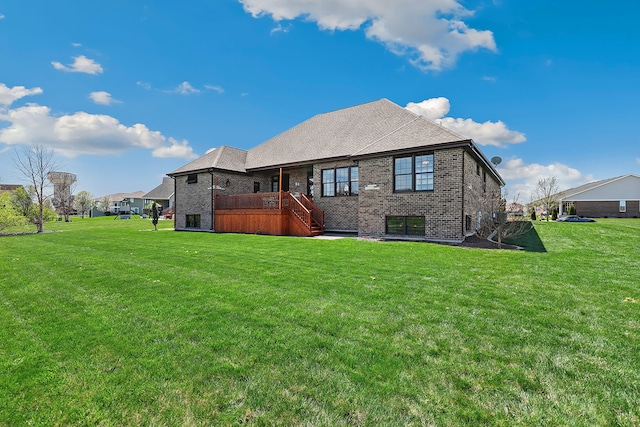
column 223, row 157
column 162, row 191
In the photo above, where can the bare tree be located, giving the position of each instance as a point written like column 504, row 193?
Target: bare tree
column 83, row 202
column 34, row 163
column 547, row 194
column 105, row 204
column 502, row 227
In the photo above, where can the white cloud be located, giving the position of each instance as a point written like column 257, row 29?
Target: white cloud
column 1, row 16
column 280, row 29
column 81, row 64
column 185, row 88
column 103, row 98
column 76, row 44
column 638, row 160
column 430, row 33
column 177, row 149
column 488, row 133
column 83, row 133
column 432, row 109
column 214, row 88
column 522, row 178
column 144, row 85
column 9, row 95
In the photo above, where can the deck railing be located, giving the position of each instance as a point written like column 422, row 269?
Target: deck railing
column 249, row 201
column 317, row 215
column 302, row 208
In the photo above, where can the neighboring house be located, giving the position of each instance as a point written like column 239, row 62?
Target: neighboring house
column 8, row 188
column 515, row 210
column 121, row 203
column 617, row 197
column 163, row 195
column 374, row 169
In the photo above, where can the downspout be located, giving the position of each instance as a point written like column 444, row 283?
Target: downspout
column 280, row 191
column 213, row 197
column 175, row 211
column 464, row 232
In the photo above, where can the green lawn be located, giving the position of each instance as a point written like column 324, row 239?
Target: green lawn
column 106, row 322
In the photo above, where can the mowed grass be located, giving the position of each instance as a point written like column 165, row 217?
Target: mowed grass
column 109, row 323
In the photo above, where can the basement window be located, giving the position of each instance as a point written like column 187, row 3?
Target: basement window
column 193, row 221
column 192, row 178
column 405, row 225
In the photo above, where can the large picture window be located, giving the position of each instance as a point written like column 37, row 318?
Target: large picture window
column 413, row 173
column 405, row 225
column 340, row 182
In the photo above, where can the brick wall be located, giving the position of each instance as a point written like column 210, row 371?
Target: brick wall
column 195, row 199
column 479, row 196
column 340, row 212
column 442, row 207
column 607, row 209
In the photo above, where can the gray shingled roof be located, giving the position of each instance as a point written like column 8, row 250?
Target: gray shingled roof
column 162, row 191
column 224, row 157
column 363, row 130
column 371, row 128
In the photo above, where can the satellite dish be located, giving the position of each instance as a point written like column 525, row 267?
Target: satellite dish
column 496, row 160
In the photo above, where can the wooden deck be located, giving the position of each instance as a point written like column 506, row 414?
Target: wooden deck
column 280, row 214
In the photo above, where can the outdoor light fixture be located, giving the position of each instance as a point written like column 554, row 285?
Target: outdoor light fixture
column 227, row 183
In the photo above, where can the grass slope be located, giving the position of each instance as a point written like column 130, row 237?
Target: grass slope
column 109, row 323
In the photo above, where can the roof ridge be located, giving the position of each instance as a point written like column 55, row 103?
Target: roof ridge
column 385, row 136
column 462, row 137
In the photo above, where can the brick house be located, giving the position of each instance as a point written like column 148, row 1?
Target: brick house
column 617, row 197
column 375, row 169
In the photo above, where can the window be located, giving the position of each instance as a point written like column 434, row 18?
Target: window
column 193, row 221
column 340, row 182
column 623, row 205
column 478, row 169
column 256, row 187
column 192, row 179
column 406, row 225
column 275, row 183
column 413, row 173
column 484, row 181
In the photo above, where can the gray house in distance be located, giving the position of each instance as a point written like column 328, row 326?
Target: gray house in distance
column 375, row 169
column 121, row 203
column 617, row 197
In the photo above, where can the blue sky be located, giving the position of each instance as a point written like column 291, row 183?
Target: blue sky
column 125, row 91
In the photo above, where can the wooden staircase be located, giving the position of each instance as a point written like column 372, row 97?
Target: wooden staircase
column 307, row 213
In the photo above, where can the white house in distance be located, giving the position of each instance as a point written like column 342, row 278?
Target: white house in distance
column 617, row 197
